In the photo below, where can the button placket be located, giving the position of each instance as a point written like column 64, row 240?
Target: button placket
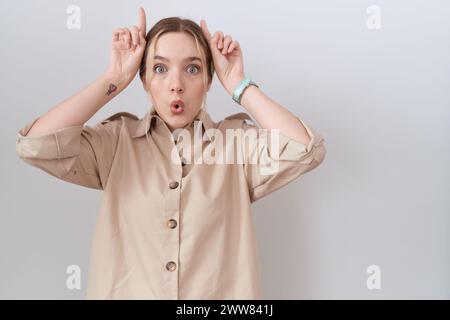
column 171, row 224
column 172, row 236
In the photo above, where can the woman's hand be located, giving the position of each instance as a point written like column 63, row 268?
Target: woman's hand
column 227, row 57
column 127, row 49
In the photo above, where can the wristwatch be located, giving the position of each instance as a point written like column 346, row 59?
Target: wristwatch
column 244, row 84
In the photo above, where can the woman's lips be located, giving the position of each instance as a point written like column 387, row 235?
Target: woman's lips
column 177, row 107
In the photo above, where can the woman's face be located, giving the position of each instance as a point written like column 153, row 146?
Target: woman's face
column 176, row 76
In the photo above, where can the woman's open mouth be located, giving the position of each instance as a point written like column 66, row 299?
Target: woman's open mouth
column 177, row 107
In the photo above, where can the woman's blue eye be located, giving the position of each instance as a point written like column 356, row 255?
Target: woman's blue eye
column 155, row 68
column 193, row 65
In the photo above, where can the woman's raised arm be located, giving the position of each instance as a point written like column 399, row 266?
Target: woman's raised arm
column 127, row 48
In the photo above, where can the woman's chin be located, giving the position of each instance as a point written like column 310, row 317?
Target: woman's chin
column 177, row 122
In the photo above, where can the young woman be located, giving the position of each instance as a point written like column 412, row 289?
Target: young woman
column 173, row 224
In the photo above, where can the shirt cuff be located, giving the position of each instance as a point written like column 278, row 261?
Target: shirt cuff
column 61, row 143
column 293, row 150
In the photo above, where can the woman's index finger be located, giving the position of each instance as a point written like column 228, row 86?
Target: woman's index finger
column 142, row 20
column 205, row 29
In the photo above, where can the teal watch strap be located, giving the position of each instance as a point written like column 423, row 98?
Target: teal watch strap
column 240, row 88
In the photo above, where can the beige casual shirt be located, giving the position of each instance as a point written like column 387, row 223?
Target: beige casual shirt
column 170, row 229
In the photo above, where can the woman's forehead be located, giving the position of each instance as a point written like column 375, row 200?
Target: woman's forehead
column 176, row 46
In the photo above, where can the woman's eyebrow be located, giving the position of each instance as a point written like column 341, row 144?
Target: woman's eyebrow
column 185, row 59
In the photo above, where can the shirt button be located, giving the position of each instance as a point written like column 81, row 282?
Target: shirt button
column 172, row 224
column 173, row 185
column 171, row 266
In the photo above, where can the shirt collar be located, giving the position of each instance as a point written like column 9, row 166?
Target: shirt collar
column 152, row 119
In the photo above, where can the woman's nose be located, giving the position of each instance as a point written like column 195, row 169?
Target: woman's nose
column 176, row 83
column 176, row 88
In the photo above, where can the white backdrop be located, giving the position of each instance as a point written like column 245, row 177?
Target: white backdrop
column 380, row 97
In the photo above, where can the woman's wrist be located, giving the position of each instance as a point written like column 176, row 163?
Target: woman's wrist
column 116, row 82
column 233, row 83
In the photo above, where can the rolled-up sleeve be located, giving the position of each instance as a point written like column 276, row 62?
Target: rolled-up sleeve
column 276, row 159
column 78, row 154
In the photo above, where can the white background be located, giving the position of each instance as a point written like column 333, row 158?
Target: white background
column 379, row 97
